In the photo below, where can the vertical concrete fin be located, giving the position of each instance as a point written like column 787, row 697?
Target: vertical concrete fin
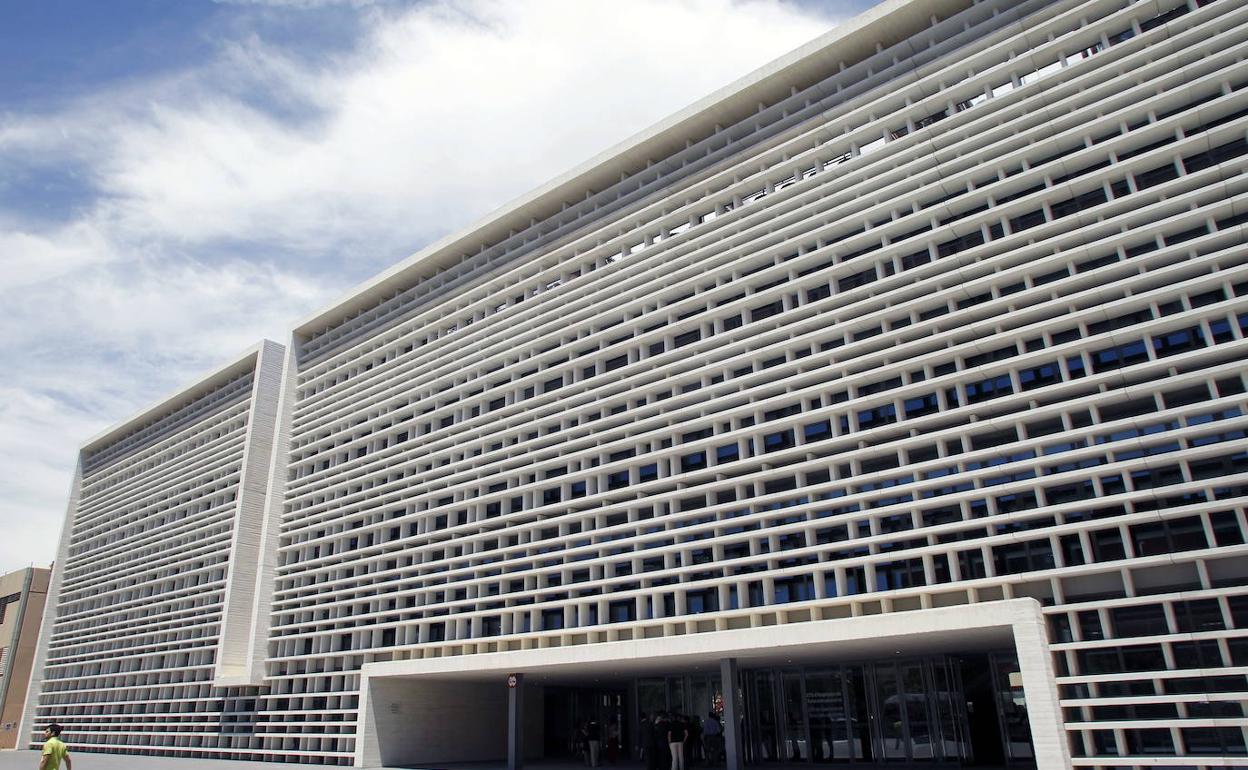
column 245, row 545
column 275, row 496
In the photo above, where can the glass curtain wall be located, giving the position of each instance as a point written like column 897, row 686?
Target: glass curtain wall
column 1011, row 707
column 913, row 711
column 910, row 711
column 693, row 695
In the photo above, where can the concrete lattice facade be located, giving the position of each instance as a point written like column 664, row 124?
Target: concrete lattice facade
column 154, row 580
column 945, row 308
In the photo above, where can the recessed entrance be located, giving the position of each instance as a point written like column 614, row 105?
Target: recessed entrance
column 971, row 687
column 574, row 716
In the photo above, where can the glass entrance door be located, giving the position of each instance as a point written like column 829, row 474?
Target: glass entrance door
column 827, row 713
column 763, row 730
column 859, row 714
column 889, row 713
column 793, row 717
column 1012, row 707
column 919, row 713
column 903, row 712
column 952, row 729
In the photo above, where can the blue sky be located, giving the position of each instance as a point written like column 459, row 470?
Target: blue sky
column 179, row 178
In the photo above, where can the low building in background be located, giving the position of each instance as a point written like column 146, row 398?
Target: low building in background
column 888, row 405
column 22, row 596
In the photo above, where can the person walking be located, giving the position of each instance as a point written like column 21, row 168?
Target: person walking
column 54, row 750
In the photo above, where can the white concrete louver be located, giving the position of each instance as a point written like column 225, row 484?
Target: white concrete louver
column 958, row 320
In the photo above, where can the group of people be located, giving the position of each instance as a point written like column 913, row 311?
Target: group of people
column 675, row 741
column 589, row 742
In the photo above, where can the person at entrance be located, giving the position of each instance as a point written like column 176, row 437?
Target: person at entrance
column 54, row 750
column 645, row 736
column 657, row 750
column 613, row 741
column 677, row 734
column 580, row 743
column 693, row 741
column 712, row 738
column 593, row 734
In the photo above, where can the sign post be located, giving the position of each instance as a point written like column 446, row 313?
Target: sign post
column 515, row 721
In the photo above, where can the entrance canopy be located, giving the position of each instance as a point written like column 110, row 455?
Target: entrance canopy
column 398, row 697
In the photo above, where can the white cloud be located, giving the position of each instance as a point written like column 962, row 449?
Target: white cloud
column 36, row 446
column 31, row 259
column 442, row 113
column 227, row 201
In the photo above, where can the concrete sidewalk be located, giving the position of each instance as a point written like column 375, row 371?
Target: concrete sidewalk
column 29, row 760
column 85, row 760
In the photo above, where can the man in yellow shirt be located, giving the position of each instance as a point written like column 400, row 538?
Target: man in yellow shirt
column 54, row 750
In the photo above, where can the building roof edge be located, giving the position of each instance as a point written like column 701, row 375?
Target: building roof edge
column 195, row 387
column 767, row 83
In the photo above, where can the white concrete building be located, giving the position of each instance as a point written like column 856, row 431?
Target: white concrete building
column 891, row 400
column 154, row 584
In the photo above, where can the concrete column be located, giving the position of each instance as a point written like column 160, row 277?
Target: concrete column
column 515, row 721
column 734, row 755
column 1035, row 663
